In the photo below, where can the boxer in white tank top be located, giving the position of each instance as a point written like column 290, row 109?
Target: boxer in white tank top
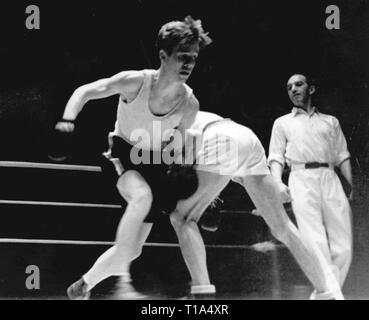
column 147, row 97
column 138, row 114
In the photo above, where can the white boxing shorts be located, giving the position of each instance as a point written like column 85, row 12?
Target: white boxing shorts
column 229, row 148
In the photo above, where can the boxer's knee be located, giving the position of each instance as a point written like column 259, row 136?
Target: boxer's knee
column 135, row 190
column 142, row 198
column 180, row 221
column 140, row 194
column 177, row 220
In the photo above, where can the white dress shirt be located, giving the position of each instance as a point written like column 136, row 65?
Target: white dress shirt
column 300, row 137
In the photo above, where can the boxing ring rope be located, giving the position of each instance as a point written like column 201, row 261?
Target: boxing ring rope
column 68, row 167
column 104, row 243
column 60, row 204
column 269, row 247
column 50, row 166
column 88, row 205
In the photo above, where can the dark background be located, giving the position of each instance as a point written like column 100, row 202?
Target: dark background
column 242, row 75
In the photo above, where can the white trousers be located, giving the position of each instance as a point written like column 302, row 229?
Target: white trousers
column 323, row 214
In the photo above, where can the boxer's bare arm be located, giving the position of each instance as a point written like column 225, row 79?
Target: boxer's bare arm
column 188, row 138
column 190, row 115
column 124, row 83
column 187, row 121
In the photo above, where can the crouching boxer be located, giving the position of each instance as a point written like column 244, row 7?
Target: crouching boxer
column 231, row 151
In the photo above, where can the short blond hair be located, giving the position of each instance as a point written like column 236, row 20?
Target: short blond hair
column 184, row 32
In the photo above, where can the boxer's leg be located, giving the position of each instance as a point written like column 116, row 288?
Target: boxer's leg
column 184, row 220
column 130, row 233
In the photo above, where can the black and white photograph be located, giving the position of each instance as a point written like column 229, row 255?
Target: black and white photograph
column 199, row 151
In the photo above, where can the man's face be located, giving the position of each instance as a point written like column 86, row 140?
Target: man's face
column 182, row 61
column 298, row 90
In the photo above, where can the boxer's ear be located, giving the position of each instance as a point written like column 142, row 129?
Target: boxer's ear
column 163, row 55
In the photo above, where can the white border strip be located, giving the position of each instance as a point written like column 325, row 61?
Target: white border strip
column 52, row 166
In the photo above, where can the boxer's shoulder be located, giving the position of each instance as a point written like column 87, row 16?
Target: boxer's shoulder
column 129, row 81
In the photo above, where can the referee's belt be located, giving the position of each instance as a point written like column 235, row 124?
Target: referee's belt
column 311, row 165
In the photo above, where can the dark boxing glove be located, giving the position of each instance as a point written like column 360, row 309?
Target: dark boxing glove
column 183, row 179
column 60, row 144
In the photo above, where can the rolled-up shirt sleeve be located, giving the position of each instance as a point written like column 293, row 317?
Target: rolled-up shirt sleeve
column 342, row 152
column 277, row 146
